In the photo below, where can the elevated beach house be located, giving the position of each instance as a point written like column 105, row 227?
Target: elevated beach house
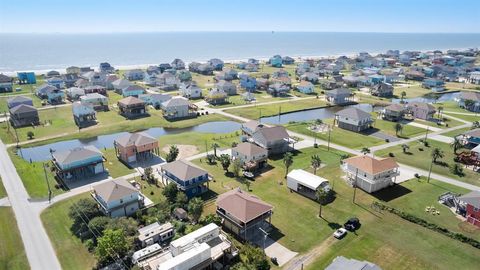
column 118, row 198
column 305, row 87
column 227, row 87
column 74, row 93
column 134, row 75
column 84, row 115
column 434, row 84
column 394, row 112
column 189, row 178
column 155, row 100
column 78, row 163
column 18, row 100
column 133, row 90
column 251, row 156
column 190, row 90
column 339, row 96
column 244, row 215
column 26, row 78
column 369, row 173
column 50, row 93
column 56, row 81
column 178, row 64
column 216, row 63
column 6, row 83
column 216, row 97
column 120, row 84
column 470, row 101
column 276, row 61
column 250, row 127
column 134, row 147
column 23, row 115
column 421, row 110
column 178, row 108
column 97, row 101
column 381, row 89
column 274, row 139
column 472, row 203
column 353, row 119
column 132, row 107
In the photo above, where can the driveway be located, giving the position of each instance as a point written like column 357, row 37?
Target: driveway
column 383, row 136
column 274, row 249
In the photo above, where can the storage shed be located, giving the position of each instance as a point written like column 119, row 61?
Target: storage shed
column 306, row 183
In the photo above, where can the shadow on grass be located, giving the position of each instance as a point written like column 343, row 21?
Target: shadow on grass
column 391, row 193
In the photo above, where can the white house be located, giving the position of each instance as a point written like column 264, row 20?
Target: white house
column 117, row 198
column 155, row 233
column 370, row 174
column 306, row 183
column 190, row 90
column 177, row 107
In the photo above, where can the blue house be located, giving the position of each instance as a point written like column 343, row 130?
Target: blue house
column 376, row 78
column 434, row 84
column 133, row 90
column 306, row 87
column 78, row 163
column 58, row 82
column 276, row 61
column 189, row 178
column 248, row 83
column 26, row 78
column 18, row 100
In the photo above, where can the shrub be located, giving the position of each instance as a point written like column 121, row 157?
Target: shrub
column 417, row 175
column 391, row 154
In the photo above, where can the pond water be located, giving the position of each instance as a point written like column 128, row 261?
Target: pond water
column 42, row 153
column 308, row 115
column 450, row 96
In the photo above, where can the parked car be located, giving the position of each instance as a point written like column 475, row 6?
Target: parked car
column 352, row 224
column 248, row 175
column 340, row 233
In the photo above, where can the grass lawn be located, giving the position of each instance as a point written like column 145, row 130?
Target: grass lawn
column 339, row 136
column 415, row 90
column 3, row 193
column 237, row 100
column 459, row 86
column 113, row 165
column 388, row 127
column 383, row 238
column 418, row 194
column 33, row 176
column 422, row 159
column 71, row 252
column 273, row 109
column 457, row 132
column 12, row 253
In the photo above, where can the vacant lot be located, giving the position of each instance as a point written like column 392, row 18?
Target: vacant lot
column 12, row 253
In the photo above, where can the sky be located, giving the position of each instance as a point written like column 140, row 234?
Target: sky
column 107, row 16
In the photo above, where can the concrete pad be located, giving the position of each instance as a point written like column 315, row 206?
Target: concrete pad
column 275, row 249
column 415, row 124
column 4, row 202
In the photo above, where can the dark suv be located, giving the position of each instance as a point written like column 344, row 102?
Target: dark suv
column 352, row 224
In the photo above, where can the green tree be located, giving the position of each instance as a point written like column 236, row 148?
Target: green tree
column 236, row 167
column 149, row 175
column 287, row 162
column 316, row 162
column 398, row 128
column 440, row 111
column 215, row 146
column 247, row 184
column 475, row 124
column 30, row 135
column 127, row 225
column 457, row 169
column 170, row 192
column 437, row 153
column 254, row 258
column 402, row 96
column 98, row 225
column 195, row 208
column 405, row 147
column 210, row 158
column 113, row 243
column 225, row 161
column 365, row 150
column 456, row 144
column 181, row 200
column 322, row 198
column 81, row 212
column 211, row 218
column 172, row 153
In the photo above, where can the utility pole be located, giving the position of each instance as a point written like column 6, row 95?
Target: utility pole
column 355, row 186
column 430, row 171
column 16, row 135
column 426, row 134
column 48, row 184
column 329, row 132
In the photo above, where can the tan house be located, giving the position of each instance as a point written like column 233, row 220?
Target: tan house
column 136, row 146
column 132, row 107
column 244, row 214
column 118, row 198
column 251, row 156
column 370, row 174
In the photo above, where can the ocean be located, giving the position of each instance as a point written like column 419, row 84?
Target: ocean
column 40, row 52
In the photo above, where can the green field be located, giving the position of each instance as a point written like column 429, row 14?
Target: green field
column 254, row 112
column 71, row 252
column 338, row 136
column 422, row 159
column 3, row 193
column 383, row 238
column 456, row 132
column 12, row 253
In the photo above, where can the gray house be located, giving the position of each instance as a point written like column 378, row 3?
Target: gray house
column 382, row 90
column 17, row 100
column 339, row 96
column 275, row 139
column 227, row 87
column 353, row 119
column 393, row 112
column 421, row 110
column 84, row 115
column 24, row 115
column 177, row 108
column 469, row 101
column 134, row 75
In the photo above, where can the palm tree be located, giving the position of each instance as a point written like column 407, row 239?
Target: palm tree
column 322, row 197
column 405, row 147
column 402, row 96
column 436, row 154
column 456, row 144
column 215, row 146
column 365, row 150
column 475, row 124
column 318, row 122
column 316, row 163
column 440, row 111
column 398, row 128
column 287, row 161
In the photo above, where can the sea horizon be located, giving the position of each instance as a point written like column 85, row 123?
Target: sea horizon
column 41, row 52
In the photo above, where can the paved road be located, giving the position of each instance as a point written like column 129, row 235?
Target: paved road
column 39, row 250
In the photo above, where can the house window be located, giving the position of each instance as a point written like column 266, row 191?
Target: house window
column 475, row 209
column 121, row 200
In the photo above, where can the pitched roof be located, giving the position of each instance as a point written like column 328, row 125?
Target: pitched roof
column 273, row 133
column 137, row 139
column 472, row 198
column 131, row 101
column 249, row 149
column 243, row 206
column 395, row 107
column 339, row 91
column 475, row 96
column 133, row 87
column 76, row 154
column 184, row 170
column 176, row 101
column 5, row 79
column 342, row 263
column 22, row 108
column 422, row 105
column 114, row 190
column 17, row 99
column 354, row 113
column 473, row 133
column 252, row 124
column 371, row 165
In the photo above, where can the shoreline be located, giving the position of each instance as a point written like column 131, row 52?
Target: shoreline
column 297, row 57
